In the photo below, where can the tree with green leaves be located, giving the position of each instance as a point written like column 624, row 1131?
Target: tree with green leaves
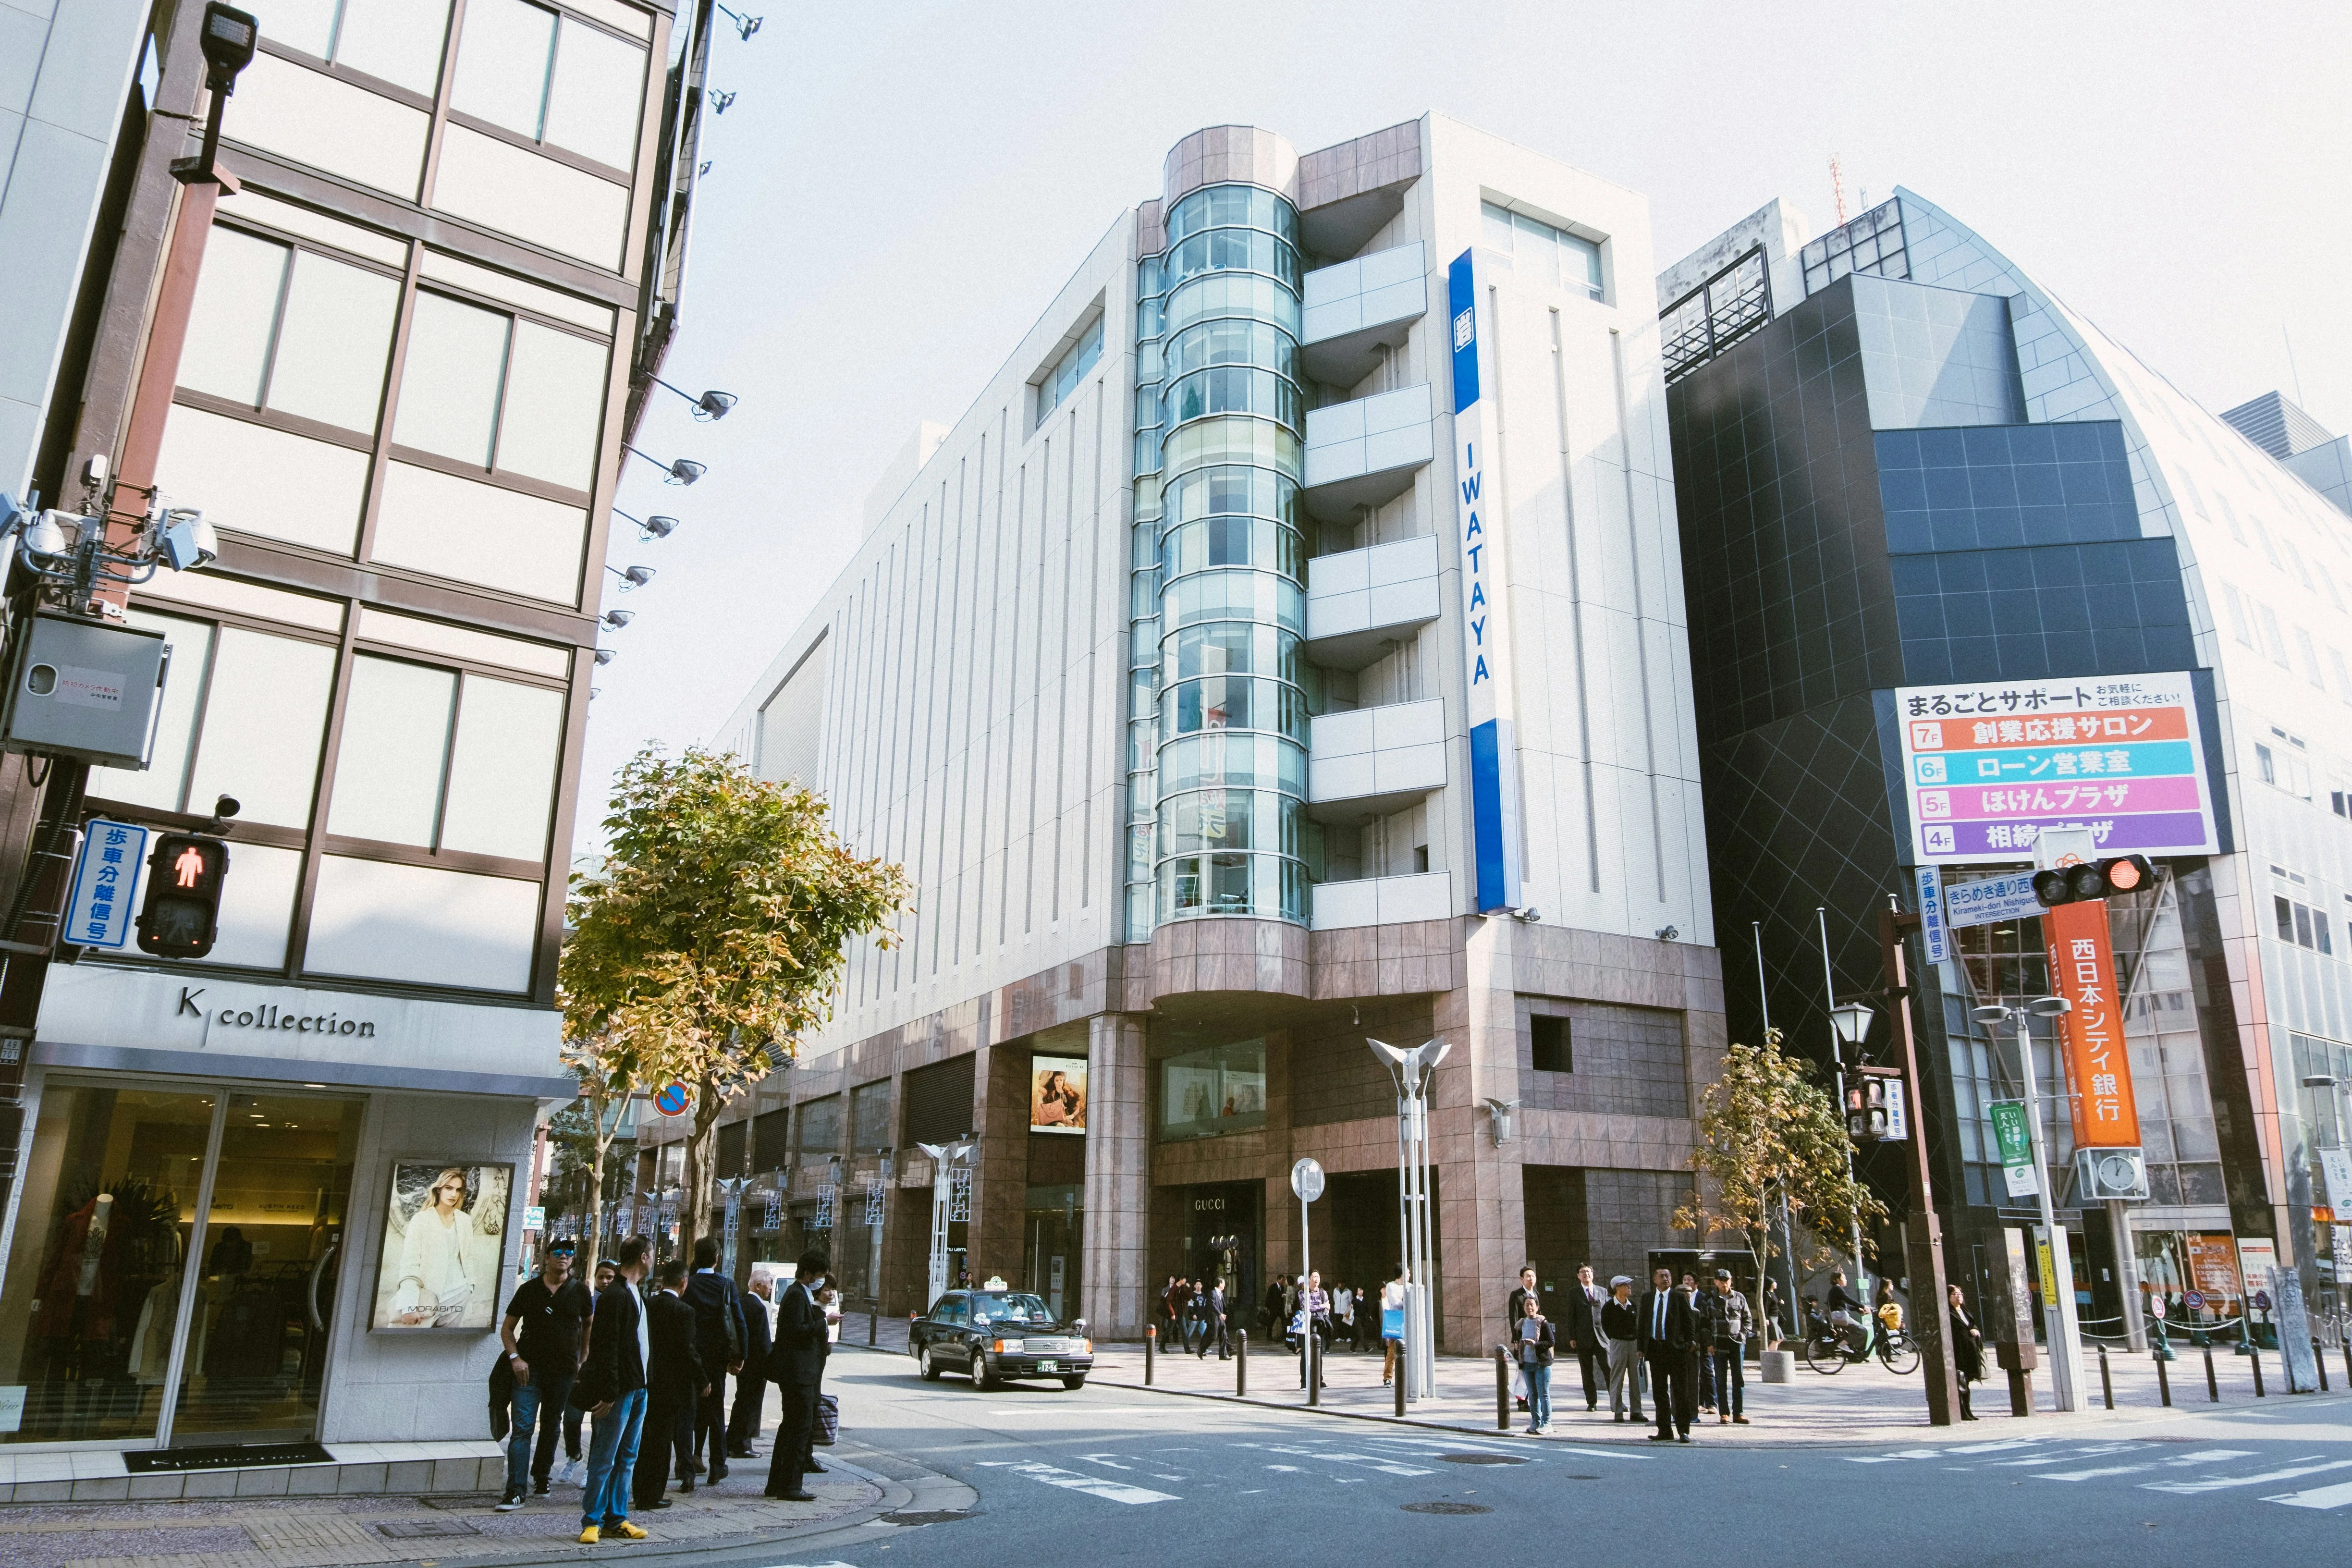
column 1768, row 1135
column 709, row 939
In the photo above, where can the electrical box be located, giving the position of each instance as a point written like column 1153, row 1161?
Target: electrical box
column 86, row 690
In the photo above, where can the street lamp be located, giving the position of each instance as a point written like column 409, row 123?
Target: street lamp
column 650, row 528
column 1849, row 1025
column 1413, row 1071
column 683, row 471
column 711, row 404
column 2060, row 1323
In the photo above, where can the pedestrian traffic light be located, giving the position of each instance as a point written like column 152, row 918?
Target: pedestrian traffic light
column 1873, row 1104
column 180, row 914
column 2093, row 879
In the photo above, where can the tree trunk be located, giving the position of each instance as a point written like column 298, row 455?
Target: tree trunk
column 694, row 1199
column 585, row 1264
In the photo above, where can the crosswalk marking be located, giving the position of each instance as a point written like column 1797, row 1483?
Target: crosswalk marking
column 1093, row 1486
column 2220, row 1483
column 1333, row 1456
column 2335, row 1496
column 2092, row 1475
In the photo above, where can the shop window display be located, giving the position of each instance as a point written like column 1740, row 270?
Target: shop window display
column 1209, row 1092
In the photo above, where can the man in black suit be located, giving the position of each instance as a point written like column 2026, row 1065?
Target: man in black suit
column 1521, row 1294
column 796, row 1367
column 1670, row 1344
column 1580, row 1328
column 752, row 1383
column 614, row 1379
column 1212, row 1320
column 720, row 1336
column 675, row 1384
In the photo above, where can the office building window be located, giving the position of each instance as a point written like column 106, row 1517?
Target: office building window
column 2301, row 924
column 1872, row 243
column 396, row 41
column 1554, row 1049
column 499, row 392
column 1061, row 381
column 289, row 331
column 551, row 79
column 2240, row 625
column 1537, row 250
column 442, row 759
column 1209, row 1092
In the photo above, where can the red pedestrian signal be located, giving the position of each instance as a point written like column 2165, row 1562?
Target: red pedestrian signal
column 181, row 915
column 2093, row 879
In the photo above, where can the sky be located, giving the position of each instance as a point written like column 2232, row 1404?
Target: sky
column 898, row 192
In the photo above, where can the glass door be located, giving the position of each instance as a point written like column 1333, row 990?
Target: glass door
column 254, row 1357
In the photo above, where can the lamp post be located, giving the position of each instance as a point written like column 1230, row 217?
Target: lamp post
column 2343, row 1089
column 1849, row 1025
column 2060, row 1324
column 1413, row 1071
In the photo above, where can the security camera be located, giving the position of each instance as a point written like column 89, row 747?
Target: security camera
column 1668, row 934
column 1526, row 916
column 227, row 806
column 188, row 542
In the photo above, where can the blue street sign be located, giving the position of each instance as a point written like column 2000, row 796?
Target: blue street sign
column 105, row 885
column 673, row 1101
column 1932, row 930
column 1991, row 901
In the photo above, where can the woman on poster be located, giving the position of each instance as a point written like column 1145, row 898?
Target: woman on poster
column 434, row 1288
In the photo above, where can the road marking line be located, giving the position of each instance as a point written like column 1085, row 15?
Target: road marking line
column 1109, row 1491
column 2317, row 1496
column 1994, row 1448
column 2209, row 1456
column 1386, row 1467
column 2092, row 1475
column 2219, row 1483
column 1105, row 1461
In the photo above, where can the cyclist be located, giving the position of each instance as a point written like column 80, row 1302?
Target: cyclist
column 1846, row 1315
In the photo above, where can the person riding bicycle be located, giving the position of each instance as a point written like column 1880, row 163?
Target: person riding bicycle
column 1846, row 1313
column 1890, row 1310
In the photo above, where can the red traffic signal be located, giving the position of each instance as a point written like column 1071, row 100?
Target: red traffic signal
column 180, row 917
column 2093, row 879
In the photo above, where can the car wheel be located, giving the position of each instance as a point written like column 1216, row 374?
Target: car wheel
column 980, row 1375
column 1074, row 1384
column 928, row 1366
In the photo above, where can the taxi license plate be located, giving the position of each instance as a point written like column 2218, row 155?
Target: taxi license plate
column 1049, row 1366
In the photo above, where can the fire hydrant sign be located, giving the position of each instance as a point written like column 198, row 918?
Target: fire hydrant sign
column 2098, row 1068
column 1986, row 768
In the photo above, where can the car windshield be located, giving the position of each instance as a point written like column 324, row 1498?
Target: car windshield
column 1009, row 1310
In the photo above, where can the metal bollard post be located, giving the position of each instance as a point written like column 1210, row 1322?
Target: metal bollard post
column 873, row 1323
column 2212, row 1384
column 1150, row 1344
column 1502, row 1389
column 2163, row 1382
column 1312, row 1366
column 1399, row 1394
column 2258, row 1375
column 2347, row 1360
column 1241, row 1363
column 2319, row 1359
column 2106, row 1381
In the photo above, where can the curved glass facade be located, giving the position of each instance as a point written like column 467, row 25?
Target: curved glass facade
column 1230, row 764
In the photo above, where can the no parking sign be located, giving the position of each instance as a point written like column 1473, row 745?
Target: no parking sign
column 673, row 1101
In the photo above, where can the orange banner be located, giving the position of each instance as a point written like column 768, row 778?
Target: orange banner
column 2098, row 1066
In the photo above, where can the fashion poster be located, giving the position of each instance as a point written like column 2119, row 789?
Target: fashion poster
column 442, row 1245
column 1057, row 1094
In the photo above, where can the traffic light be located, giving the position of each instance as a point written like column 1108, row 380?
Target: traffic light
column 2093, row 879
column 181, row 915
column 1873, row 1104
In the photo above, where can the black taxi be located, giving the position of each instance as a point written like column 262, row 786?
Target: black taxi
column 994, row 1335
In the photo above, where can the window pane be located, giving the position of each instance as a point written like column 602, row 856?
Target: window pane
column 502, row 779
column 257, row 905
column 305, row 25
column 191, row 643
column 395, row 734
column 554, row 392
column 228, row 328
column 399, row 41
column 592, row 105
column 516, row 192
column 1494, row 228
column 332, row 348
column 477, row 532
column 502, row 63
column 415, row 923
column 265, row 719
column 449, row 387
column 260, row 480
column 329, row 124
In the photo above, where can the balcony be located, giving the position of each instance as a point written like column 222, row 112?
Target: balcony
column 1370, row 760
column 1361, row 603
column 1358, row 308
column 1384, row 900
column 1365, row 452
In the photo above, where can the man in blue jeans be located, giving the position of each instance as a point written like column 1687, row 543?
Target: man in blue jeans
column 545, row 1333
column 615, row 1375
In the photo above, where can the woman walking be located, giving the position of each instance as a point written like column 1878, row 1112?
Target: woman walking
column 1537, row 1343
column 1967, row 1352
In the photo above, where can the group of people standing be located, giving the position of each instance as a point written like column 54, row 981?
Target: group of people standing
column 648, row 1366
column 1692, row 1344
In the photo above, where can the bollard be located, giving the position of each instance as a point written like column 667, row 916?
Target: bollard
column 1241, row 1363
column 2212, row 1384
column 1150, row 1344
column 2163, row 1382
column 2319, row 1359
column 2258, row 1375
column 873, row 1323
column 1399, row 1394
column 2106, row 1381
column 2347, row 1360
column 1502, row 1389
column 1312, row 1366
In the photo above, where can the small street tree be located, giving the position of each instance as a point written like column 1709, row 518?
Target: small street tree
column 1769, row 1134
column 710, row 937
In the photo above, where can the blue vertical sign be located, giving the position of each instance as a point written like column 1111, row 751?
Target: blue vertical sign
column 1932, row 928
column 106, row 881
column 1486, row 644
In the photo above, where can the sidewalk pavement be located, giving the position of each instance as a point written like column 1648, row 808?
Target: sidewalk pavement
column 329, row 1531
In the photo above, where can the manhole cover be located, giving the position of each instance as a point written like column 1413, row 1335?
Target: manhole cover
column 418, row 1528
column 1575, row 1477
column 938, row 1516
column 1481, row 1459
column 1447, row 1507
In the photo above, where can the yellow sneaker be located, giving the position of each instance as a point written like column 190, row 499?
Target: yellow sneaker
column 590, row 1535
column 626, row 1530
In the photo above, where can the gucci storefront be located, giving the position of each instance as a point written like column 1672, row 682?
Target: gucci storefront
column 254, row 1213
column 1208, row 1229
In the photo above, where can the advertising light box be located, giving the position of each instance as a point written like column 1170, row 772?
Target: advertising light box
column 1986, row 767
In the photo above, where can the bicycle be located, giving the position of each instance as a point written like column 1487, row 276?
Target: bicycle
column 1828, row 1352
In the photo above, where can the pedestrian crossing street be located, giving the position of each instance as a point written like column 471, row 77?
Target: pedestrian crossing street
column 2157, row 1467
column 1131, row 1478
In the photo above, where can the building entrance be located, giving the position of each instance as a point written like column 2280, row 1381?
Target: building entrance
column 174, row 1270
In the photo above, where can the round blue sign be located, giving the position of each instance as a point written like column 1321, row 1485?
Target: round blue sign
column 673, row 1101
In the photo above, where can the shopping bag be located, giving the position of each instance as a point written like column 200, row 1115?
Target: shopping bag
column 828, row 1421
column 1392, row 1322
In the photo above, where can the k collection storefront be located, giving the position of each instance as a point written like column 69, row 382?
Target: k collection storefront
column 236, row 1199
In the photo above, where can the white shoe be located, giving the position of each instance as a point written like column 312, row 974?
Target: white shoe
column 574, row 1473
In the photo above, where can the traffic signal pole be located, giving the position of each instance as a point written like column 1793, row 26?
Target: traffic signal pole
column 1923, row 1234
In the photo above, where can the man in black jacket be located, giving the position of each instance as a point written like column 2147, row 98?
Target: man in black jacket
column 752, row 1383
column 1579, row 1330
column 611, row 1384
column 796, row 1367
column 720, row 1335
column 675, row 1384
column 1670, row 1344
column 1212, row 1320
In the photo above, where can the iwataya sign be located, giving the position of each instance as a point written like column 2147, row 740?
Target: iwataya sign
column 267, row 1015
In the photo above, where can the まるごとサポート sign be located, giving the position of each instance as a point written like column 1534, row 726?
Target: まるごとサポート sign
column 1986, row 767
